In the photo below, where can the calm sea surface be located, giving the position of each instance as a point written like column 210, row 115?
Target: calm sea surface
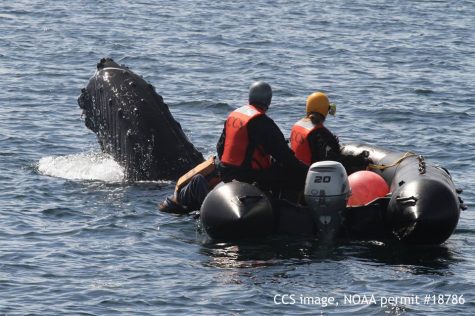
column 75, row 239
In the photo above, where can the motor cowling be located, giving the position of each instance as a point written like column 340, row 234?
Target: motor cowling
column 326, row 193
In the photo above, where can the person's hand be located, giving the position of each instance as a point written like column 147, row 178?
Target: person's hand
column 356, row 163
column 363, row 159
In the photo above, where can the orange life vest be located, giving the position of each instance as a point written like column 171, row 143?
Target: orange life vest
column 236, row 144
column 299, row 139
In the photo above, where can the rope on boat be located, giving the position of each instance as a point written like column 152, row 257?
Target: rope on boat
column 397, row 162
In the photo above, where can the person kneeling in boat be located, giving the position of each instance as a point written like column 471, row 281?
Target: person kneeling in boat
column 311, row 141
column 192, row 188
column 252, row 148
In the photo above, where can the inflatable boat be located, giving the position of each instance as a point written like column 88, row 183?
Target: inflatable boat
column 135, row 126
column 422, row 206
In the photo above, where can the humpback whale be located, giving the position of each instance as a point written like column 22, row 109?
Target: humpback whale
column 134, row 125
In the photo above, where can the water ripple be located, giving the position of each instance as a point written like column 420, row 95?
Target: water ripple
column 78, row 240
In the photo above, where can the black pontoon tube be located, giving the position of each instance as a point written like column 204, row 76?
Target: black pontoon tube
column 424, row 207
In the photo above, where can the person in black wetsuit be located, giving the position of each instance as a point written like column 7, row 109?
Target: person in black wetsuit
column 192, row 188
column 253, row 149
column 312, row 141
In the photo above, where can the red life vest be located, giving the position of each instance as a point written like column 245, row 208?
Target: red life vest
column 236, row 144
column 299, row 139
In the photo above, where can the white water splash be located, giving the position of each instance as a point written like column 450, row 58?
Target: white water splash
column 84, row 166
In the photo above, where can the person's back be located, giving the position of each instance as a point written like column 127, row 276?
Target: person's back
column 250, row 138
column 241, row 149
column 310, row 140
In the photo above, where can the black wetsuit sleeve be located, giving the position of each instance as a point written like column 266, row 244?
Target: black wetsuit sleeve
column 263, row 131
column 324, row 145
column 220, row 144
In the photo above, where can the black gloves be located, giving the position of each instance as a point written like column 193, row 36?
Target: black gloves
column 356, row 163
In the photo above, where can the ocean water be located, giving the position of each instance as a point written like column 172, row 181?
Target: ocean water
column 75, row 239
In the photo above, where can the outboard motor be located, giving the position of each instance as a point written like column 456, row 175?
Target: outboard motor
column 326, row 193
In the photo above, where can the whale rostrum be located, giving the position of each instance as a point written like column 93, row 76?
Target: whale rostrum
column 134, row 125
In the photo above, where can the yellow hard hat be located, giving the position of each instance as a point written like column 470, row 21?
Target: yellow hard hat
column 318, row 102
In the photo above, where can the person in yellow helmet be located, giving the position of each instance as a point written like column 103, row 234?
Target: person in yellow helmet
column 310, row 140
